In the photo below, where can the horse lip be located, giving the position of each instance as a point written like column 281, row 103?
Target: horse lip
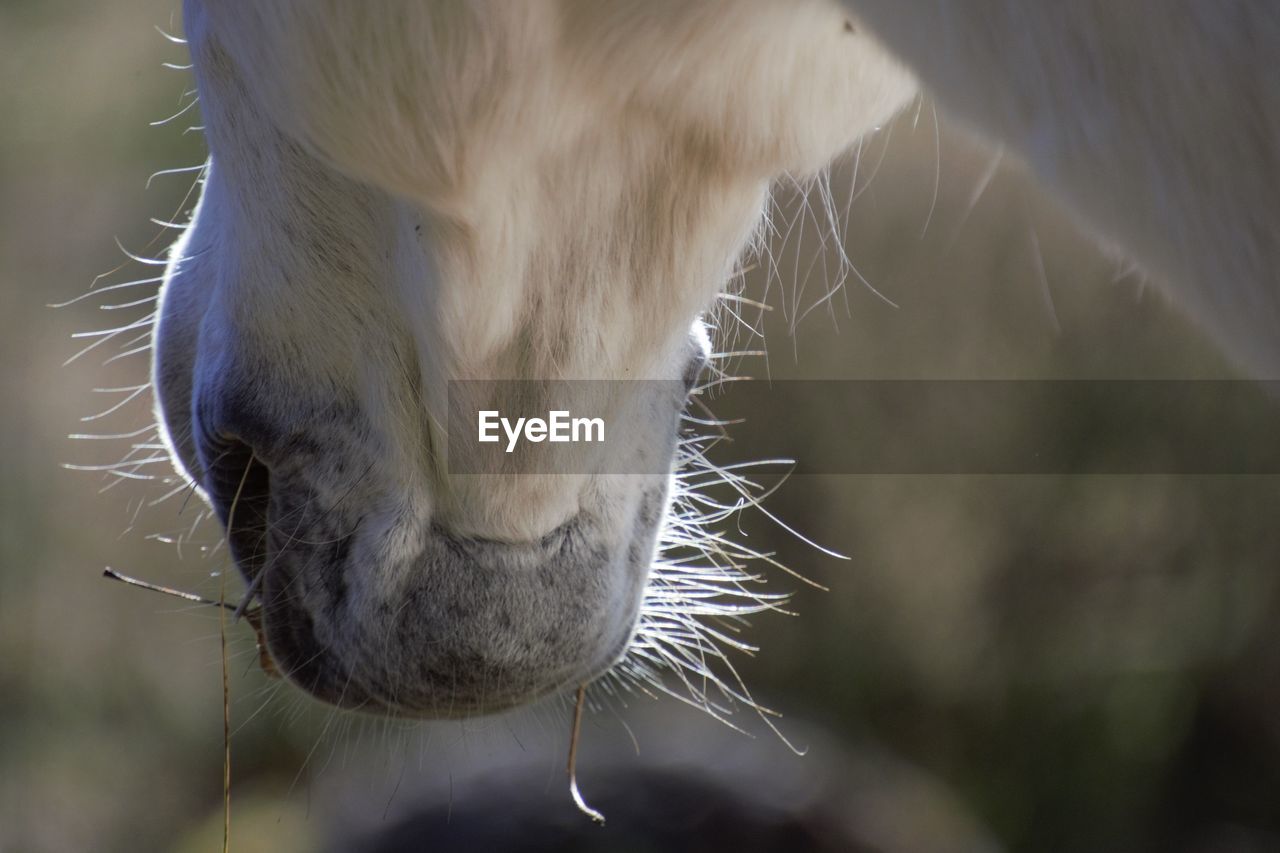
column 552, row 539
column 301, row 659
column 319, row 671
column 565, row 681
column 330, row 651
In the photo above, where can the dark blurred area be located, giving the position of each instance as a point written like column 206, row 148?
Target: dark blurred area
column 705, row 791
column 1058, row 662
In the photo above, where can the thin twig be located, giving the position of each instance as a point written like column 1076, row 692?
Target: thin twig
column 111, row 573
column 573, row 759
column 226, row 721
column 226, row 683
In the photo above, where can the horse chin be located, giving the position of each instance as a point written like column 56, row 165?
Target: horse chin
column 466, row 627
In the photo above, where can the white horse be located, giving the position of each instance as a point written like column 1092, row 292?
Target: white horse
column 401, row 193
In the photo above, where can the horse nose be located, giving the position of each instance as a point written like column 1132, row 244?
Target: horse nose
column 462, row 626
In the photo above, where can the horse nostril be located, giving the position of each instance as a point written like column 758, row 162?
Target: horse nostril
column 239, row 487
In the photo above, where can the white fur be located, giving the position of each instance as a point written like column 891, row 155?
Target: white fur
column 584, row 174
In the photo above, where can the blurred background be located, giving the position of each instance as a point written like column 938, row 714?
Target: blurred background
column 1003, row 662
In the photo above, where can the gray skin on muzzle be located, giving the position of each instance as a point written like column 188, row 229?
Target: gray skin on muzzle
column 366, row 607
